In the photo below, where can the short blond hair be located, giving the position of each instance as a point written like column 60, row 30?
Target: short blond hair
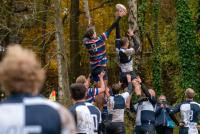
column 81, row 79
column 20, row 71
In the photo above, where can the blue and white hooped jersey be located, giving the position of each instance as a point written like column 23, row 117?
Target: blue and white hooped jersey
column 25, row 114
column 91, row 92
column 115, row 106
column 96, row 49
column 105, row 111
column 189, row 112
column 124, row 57
column 87, row 117
column 146, row 112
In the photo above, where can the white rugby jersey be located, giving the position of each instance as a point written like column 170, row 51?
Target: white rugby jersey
column 124, row 57
column 115, row 106
column 87, row 117
column 146, row 111
column 189, row 112
column 25, row 114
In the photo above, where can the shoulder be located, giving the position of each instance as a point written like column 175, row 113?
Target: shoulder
column 92, row 108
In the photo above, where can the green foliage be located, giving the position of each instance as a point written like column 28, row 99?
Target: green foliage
column 186, row 47
column 198, row 17
column 156, row 67
column 141, row 16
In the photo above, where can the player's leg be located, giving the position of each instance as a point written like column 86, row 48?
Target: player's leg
column 99, row 99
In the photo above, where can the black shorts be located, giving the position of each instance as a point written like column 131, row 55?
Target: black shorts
column 96, row 71
column 124, row 79
column 115, row 128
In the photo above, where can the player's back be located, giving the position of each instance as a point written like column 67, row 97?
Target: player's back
column 25, row 114
column 189, row 111
column 87, row 117
column 115, row 107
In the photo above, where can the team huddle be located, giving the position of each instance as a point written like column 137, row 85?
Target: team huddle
column 24, row 112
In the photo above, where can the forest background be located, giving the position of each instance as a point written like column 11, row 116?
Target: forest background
column 168, row 32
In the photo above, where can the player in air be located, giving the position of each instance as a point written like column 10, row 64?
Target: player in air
column 97, row 54
column 125, row 63
column 21, row 112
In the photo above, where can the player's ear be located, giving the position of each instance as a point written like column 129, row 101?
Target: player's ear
column 71, row 96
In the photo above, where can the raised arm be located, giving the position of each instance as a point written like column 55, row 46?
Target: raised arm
column 102, row 86
column 158, row 109
column 89, row 25
column 117, row 32
column 121, row 14
column 133, row 49
column 136, row 44
column 130, row 88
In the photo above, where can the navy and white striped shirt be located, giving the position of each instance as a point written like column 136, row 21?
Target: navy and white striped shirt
column 25, row 114
column 189, row 112
column 87, row 117
column 146, row 112
column 115, row 106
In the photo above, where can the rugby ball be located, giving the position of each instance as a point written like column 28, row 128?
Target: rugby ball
column 120, row 7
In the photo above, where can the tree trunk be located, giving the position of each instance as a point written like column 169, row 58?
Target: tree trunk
column 63, row 80
column 74, row 40
column 44, row 26
column 87, row 12
column 133, row 25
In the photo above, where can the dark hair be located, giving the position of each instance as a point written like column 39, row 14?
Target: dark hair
column 116, row 88
column 77, row 91
column 89, row 33
column 123, row 41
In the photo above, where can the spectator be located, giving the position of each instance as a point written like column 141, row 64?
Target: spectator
column 21, row 113
column 162, row 116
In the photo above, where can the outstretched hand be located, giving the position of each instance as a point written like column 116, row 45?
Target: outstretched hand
column 102, row 74
column 130, row 33
column 128, row 78
column 120, row 84
column 123, row 13
column 138, row 79
column 136, row 83
column 181, row 124
column 90, row 22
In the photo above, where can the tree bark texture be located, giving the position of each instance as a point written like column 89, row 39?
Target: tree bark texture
column 74, row 40
column 44, row 26
column 63, row 80
column 133, row 25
